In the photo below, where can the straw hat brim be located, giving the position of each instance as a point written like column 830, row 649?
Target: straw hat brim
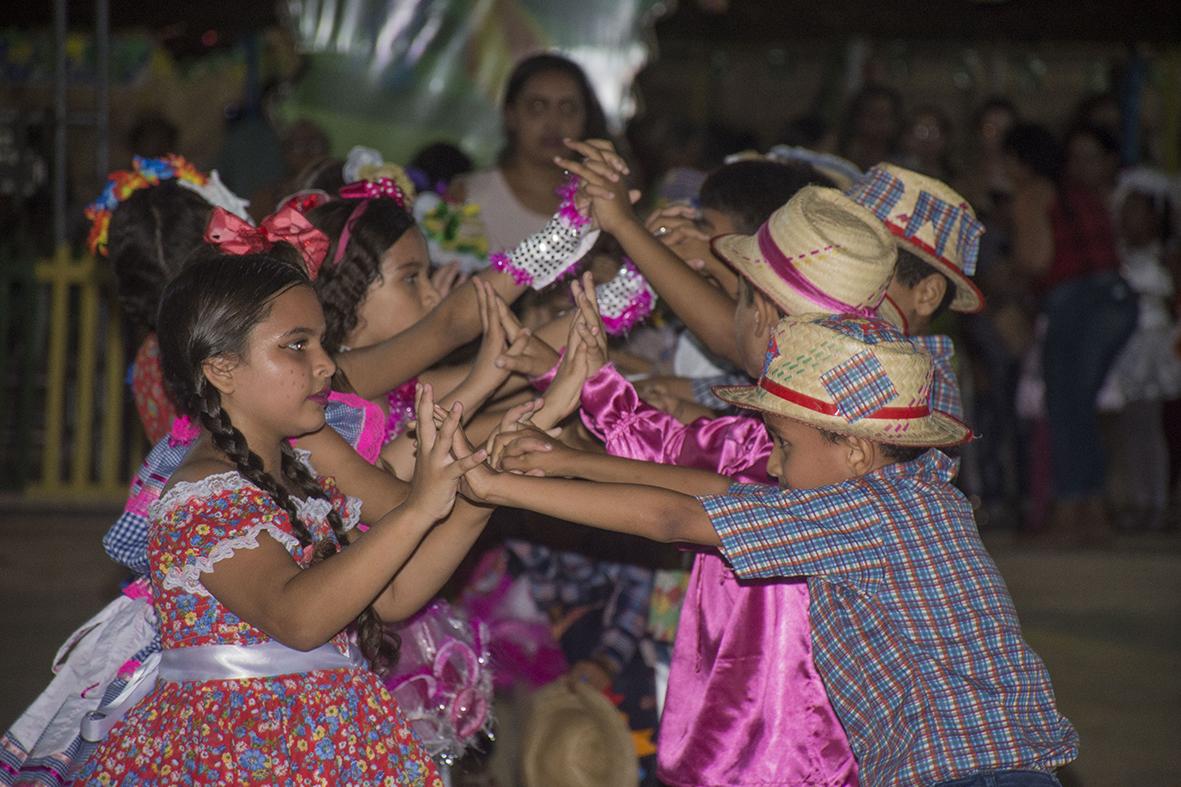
column 741, row 252
column 968, row 298
column 937, row 430
column 559, row 699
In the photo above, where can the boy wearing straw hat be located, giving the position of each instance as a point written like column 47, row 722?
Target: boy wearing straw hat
column 938, row 237
column 913, row 629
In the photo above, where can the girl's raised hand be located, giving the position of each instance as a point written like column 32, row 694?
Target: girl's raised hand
column 590, row 326
column 436, row 470
column 603, row 174
column 494, row 341
column 528, row 355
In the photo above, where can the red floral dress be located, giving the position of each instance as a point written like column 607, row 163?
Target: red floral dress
column 334, row 727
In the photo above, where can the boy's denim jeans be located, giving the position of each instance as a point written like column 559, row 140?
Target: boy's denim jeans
column 1006, row 779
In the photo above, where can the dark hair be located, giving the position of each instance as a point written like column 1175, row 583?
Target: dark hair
column 857, row 105
column 1036, row 148
column 750, row 191
column 1108, row 143
column 437, row 165
column 596, row 120
column 342, row 286
column 209, row 310
column 898, row 453
column 806, row 131
column 991, row 104
column 152, row 234
column 325, row 173
column 912, row 269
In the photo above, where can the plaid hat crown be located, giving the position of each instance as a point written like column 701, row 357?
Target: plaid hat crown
column 851, row 375
column 819, row 252
column 929, row 219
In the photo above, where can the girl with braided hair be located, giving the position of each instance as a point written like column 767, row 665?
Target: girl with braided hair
column 258, row 679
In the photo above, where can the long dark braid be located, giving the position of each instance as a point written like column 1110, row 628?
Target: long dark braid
column 198, row 320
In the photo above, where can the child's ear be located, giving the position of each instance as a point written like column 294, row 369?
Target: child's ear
column 929, row 293
column 219, row 371
column 861, row 455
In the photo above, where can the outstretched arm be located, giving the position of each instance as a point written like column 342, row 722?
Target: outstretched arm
column 706, row 310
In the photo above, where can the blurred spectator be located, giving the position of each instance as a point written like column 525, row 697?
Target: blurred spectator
column 927, row 143
column 303, row 145
column 872, row 126
column 1063, row 237
column 810, row 131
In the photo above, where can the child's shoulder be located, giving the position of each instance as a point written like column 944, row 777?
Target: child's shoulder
column 201, row 479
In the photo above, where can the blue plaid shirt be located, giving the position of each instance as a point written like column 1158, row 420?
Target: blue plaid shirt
column 913, row 629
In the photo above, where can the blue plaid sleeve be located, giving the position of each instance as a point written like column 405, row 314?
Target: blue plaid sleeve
column 769, row 533
column 945, row 390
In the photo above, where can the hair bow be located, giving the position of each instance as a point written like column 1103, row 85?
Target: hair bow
column 287, row 225
column 382, row 188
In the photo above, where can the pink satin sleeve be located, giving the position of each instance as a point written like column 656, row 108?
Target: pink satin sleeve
column 735, row 446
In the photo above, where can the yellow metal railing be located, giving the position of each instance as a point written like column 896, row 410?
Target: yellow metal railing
column 98, row 359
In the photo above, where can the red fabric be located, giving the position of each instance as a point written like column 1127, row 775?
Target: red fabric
column 156, row 411
column 1084, row 238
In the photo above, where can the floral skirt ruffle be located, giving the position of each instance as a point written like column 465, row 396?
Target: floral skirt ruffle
column 325, row 727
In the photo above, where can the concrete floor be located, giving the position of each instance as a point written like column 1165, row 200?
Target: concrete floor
column 1107, row 623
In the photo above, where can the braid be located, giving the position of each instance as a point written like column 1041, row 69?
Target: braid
column 232, row 443
column 380, row 648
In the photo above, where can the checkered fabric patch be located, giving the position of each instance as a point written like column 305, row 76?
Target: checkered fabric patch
column 771, row 354
column 863, row 329
column 968, row 242
column 859, row 386
column 942, row 215
column 879, row 192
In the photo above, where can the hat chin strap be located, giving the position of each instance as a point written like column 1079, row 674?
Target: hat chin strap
column 828, row 408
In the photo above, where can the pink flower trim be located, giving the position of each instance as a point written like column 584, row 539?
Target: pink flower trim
column 183, row 432
column 636, row 312
column 568, row 210
column 501, row 262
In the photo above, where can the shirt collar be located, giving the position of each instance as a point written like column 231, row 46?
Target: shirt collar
column 933, row 464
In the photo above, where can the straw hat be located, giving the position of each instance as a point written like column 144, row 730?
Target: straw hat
column 575, row 737
column 851, row 375
column 819, row 252
column 930, row 220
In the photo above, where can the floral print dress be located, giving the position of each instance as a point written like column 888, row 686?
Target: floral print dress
column 336, row 726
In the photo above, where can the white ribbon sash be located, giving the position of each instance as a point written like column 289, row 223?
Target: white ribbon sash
column 215, row 662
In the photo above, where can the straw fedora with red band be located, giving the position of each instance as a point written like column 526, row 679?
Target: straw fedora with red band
column 819, row 252
column 930, row 220
column 851, row 375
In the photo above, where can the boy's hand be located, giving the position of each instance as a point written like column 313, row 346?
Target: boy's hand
column 602, row 171
column 530, row 451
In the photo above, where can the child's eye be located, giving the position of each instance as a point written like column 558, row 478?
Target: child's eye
column 411, row 278
column 299, row 345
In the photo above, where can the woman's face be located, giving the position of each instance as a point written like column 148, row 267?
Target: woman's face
column 400, row 296
column 548, row 109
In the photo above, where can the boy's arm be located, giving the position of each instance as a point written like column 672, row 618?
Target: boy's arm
column 648, row 511
column 706, row 310
column 532, row 451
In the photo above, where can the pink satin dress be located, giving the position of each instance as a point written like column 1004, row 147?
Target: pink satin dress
column 745, row 705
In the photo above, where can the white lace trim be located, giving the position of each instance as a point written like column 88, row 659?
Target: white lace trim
column 188, row 578
column 184, row 491
column 352, row 513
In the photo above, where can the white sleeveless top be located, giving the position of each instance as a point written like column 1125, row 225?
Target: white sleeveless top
column 508, row 222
